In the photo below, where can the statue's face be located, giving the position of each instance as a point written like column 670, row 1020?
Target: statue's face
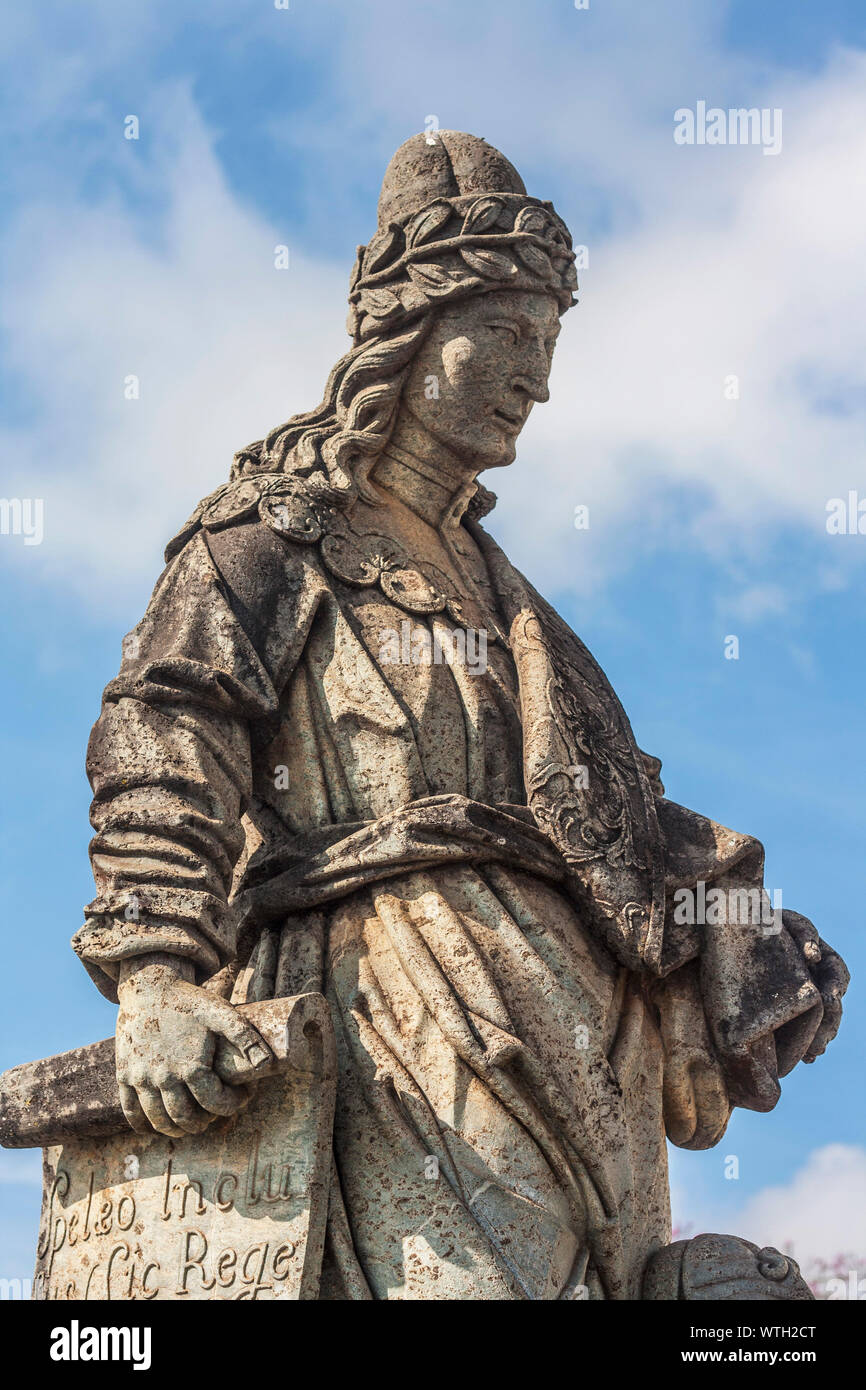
column 481, row 370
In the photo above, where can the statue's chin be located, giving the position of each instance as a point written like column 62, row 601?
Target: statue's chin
column 501, row 459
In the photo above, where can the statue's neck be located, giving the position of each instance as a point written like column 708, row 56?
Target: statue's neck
column 425, row 476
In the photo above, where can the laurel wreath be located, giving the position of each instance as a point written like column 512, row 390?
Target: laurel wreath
column 454, row 247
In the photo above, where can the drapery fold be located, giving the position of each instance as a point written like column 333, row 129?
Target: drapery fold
column 513, row 994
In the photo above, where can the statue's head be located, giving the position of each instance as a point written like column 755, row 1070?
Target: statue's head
column 482, row 366
column 454, row 308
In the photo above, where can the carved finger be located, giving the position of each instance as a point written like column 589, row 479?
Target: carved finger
column 832, row 975
column 135, row 1116
column 696, row 1104
column 712, row 1105
column 803, row 931
column 151, row 1103
column 183, row 1110
column 221, row 1018
column 680, row 1110
column 215, row 1097
column 827, row 1029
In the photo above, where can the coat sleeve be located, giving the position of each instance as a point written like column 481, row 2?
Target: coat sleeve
column 747, row 989
column 169, row 758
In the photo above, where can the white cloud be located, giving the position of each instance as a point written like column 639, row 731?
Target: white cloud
column 758, row 601
column 224, row 346
column 719, row 262
column 819, row 1214
column 759, row 278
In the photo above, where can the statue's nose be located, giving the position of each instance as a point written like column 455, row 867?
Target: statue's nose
column 531, row 377
column 533, row 385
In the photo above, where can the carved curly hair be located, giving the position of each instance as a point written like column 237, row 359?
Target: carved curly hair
column 336, row 445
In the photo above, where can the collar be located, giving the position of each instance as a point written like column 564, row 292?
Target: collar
column 437, row 492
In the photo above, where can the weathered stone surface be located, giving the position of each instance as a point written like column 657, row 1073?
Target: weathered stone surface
column 70, row 1096
column 350, row 749
column 711, row 1267
column 236, row 1213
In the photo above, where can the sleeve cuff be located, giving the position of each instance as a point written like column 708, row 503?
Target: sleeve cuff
column 104, row 941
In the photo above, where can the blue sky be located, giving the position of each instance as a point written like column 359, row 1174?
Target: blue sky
column 707, row 514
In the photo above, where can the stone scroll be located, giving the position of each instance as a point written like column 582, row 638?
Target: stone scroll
column 237, row 1212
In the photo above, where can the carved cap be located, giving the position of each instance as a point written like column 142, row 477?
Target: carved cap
column 454, row 220
column 447, row 166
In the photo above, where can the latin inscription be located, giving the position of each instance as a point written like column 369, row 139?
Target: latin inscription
column 223, row 1215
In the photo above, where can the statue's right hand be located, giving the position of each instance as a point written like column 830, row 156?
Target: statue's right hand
column 168, row 1033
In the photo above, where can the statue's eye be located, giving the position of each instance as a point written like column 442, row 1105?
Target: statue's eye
column 508, row 332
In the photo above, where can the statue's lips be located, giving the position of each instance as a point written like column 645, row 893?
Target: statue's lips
column 513, row 423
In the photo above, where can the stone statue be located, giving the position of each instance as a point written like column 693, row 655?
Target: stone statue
column 352, row 752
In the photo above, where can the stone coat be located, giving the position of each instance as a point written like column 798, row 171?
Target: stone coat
column 519, row 1020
